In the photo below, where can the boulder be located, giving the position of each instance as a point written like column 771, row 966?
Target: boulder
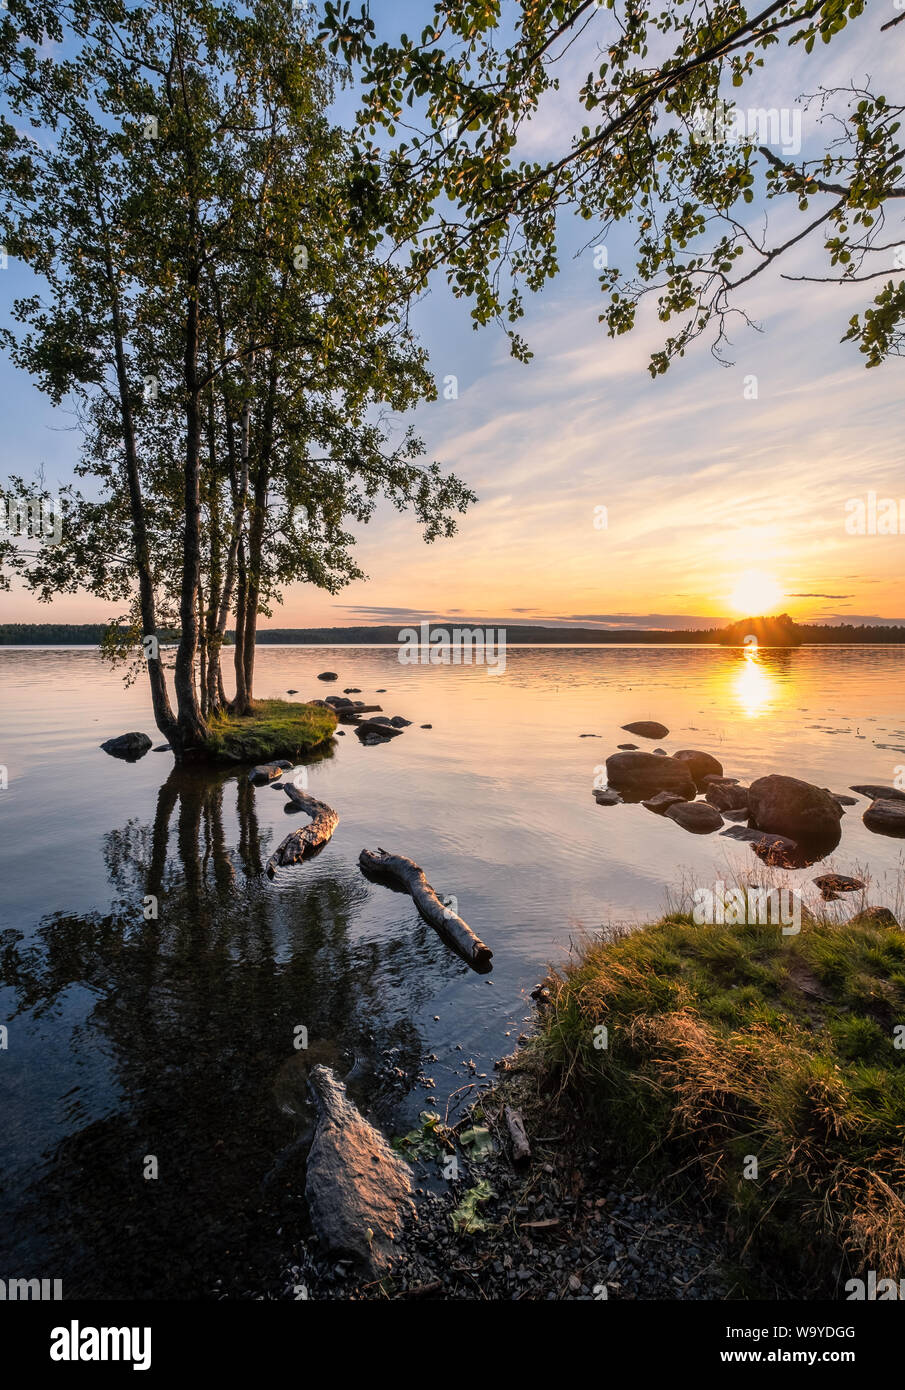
column 740, row 812
column 886, row 817
column 352, row 690
column 328, row 676
column 398, row 722
column 662, row 801
column 358, row 1190
column 702, row 765
column 877, row 792
column 605, row 796
column 842, row 798
column 627, row 747
column 646, row 728
column 727, row 796
column 131, row 747
column 791, row 807
column 638, row 775
column 162, row 748
column 695, row 816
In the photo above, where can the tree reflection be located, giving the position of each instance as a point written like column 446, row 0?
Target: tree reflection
column 181, row 1033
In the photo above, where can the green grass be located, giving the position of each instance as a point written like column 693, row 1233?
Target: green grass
column 731, row 1041
column 275, row 729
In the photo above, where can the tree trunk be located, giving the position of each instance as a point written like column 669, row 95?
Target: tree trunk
column 192, row 729
column 256, row 532
column 160, row 698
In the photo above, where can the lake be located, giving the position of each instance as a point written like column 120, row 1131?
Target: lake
column 167, row 1046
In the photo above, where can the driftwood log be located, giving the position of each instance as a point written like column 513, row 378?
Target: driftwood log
column 302, row 843
column 407, row 874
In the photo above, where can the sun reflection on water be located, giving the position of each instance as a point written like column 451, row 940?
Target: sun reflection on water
column 753, row 684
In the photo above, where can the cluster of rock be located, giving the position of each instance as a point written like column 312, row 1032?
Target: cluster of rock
column 789, row 822
column 377, row 729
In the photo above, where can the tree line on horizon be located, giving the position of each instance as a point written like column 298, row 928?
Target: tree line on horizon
column 806, row 634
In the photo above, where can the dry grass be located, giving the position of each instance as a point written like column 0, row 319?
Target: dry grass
column 732, row 1042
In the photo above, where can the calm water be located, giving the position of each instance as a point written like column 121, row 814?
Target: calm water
column 174, row 1038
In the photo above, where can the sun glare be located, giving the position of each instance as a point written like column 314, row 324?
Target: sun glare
column 755, row 593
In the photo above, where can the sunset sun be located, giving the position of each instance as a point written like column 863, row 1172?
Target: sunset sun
column 755, row 593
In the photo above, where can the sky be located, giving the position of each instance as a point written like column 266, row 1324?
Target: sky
column 715, row 505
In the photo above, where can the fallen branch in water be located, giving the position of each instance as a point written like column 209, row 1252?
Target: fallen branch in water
column 447, row 923
column 301, row 844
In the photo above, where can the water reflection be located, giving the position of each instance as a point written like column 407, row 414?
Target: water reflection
column 758, row 674
column 189, row 1019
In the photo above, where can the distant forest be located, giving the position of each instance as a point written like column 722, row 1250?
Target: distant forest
column 769, row 632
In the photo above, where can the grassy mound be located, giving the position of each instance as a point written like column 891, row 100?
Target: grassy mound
column 732, row 1042
column 275, row 729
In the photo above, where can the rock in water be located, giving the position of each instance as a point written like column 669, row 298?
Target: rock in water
column 791, row 807
column 702, row 765
column 886, row 817
column 605, row 797
column 831, row 885
column 877, row 792
column 727, row 796
column 646, row 728
column 640, row 775
column 696, row 816
column 128, row 746
column 328, row 676
column 661, row 802
column 358, row 1190
column 267, row 772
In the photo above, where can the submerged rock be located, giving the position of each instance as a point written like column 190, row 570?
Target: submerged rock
column 358, row 1190
column 695, row 816
column 638, row 775
column 605, row 796
column 660, row 803
column 886, row 817
column 831, row 885
column 376, row 730
column 627, row 747
column 131, row 747
column 646, row 728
